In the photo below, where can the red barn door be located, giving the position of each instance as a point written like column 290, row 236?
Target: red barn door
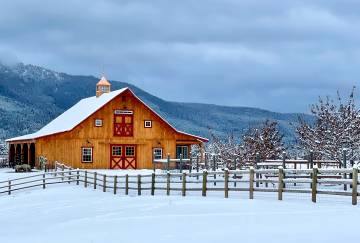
column 122, row 156
column 123, row 123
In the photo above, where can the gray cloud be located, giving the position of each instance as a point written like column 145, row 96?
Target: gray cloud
column 278, row 55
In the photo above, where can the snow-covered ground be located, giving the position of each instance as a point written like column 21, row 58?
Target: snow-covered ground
column 70, row 213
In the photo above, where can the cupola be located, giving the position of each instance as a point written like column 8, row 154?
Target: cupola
column 103, row 86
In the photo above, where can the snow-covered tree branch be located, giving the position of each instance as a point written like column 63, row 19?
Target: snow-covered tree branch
column 265, row 140
column 337, row 127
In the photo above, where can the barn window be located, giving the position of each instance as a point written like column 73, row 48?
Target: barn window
column 148, row 124
column 158, row 152
column 123, row 123
column 87, row 155
column 98, row 122
column 183, row 150
column 129, row 151
column 116, row 150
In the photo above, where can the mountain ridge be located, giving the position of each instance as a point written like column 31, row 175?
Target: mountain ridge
column 31, row 96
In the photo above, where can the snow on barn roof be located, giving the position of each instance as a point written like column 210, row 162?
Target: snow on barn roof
column 80, row 112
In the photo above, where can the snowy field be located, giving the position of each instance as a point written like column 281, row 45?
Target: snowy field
column 70, row 213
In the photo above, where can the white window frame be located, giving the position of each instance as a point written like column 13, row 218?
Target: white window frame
column 97, row 124
column 83, row 149
column 155, row 154
column 148, row 123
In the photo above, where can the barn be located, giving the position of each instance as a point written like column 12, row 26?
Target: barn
column 111, row 130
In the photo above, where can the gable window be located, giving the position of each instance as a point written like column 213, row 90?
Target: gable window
column 182, row 150
column 158, row 152
column 147, row 124
column 98, row 122
column 87, row 155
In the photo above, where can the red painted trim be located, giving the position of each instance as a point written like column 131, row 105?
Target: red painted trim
column 123, row 163
column 123, row 123
column 92, row 154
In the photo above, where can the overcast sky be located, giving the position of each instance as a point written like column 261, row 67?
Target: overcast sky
column 278, row 55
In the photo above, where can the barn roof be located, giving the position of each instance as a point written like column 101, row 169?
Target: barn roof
column 80, row 112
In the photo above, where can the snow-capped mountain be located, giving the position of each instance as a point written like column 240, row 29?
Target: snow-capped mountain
column 31, row 96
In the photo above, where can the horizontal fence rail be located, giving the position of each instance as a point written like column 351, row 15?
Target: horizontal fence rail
column 279, row 181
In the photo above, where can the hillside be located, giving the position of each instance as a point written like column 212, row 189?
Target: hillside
column 31, row 96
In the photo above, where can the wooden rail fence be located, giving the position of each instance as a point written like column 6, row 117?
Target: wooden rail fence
column 204, row 182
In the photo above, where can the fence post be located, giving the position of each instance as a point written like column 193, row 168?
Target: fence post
column 95, row 180
column 9, row 187
column 190, row 167
column 197, row 167
column 256, row 166
column 234, row 177
column 284, row 160
column 204, row 183
column 314, row 185
column 311, row 159
column 214, row 163
column 104, row 183
column 139, row 184
column 226, row 183
column 69, row 175
column 284, row 166
column 206, row 162
column 55, row 169
column 183, row 189
column 344, row 165
column 126, row 184
column 63, row 174
column 77, row 176
column 44, row 180
column 214, row 169
column 251, row 183
column 154, row 161
column 181, row 163
column 85, row 181
column 354, row 185
column 115, row 184
column 168, row 162
column 281, row 183
column 152, row 184
column 168, row 183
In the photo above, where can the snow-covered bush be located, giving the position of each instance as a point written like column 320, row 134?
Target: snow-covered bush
column 3, row 149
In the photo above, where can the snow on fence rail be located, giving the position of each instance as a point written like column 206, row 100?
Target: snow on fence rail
column 38, row 180
column 207, row 181
column 253, row 180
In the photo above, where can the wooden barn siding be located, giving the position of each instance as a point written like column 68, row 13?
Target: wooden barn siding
column 66, row 147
